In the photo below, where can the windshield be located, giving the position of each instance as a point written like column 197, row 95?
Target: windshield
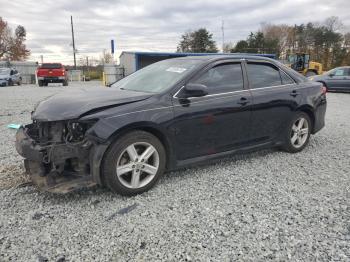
column 4, row 71
column 158, row 76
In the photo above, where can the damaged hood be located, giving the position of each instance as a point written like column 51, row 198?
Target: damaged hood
column 72, row 104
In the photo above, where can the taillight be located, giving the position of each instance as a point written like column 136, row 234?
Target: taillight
column 63, row 71
column 324, row 89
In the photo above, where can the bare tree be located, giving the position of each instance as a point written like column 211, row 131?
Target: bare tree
column 12, row 47
column 106, row 57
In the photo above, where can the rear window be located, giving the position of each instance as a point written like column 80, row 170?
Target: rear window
column 51, row 66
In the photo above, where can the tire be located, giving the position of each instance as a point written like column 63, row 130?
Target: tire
column 45, row 83
column 65, row 83
column 19, row 82
column 10, row 82
column 310, row 73
column 137, row 174
column 40, row 82
column 297, row 134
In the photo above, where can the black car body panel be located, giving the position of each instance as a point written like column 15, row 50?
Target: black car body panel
column 73, row 104
column 191, row 129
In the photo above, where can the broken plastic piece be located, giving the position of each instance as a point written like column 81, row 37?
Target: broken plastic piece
column 14, row 126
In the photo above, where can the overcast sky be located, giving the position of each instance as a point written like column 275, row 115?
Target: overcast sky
column 151, row 25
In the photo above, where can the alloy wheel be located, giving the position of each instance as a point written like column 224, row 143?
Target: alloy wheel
column 300, row 132
column 137, row 165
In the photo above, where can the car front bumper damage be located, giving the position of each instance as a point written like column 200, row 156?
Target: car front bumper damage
column 60, row 167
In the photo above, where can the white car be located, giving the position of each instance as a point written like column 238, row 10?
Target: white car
column 9, row 77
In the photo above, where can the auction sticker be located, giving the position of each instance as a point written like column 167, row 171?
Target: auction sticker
column 178, row 70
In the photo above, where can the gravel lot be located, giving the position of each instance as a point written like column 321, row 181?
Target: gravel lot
column 267, row 205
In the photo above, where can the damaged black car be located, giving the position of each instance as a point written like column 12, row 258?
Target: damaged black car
column 168, row 115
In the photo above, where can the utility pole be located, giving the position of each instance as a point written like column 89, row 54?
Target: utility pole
column 42, row 59
column 75, row 61
column 223, row 35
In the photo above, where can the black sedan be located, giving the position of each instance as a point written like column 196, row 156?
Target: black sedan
column 337, row 79
column 171, row 114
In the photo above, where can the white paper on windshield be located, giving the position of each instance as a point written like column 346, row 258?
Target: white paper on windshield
column 178, row 70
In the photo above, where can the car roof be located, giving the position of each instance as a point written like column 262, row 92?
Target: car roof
column 212, row 58
column 224, row 57
column 341, row 67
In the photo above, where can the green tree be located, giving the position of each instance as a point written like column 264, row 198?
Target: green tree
column 256, row 43
column 199, row 41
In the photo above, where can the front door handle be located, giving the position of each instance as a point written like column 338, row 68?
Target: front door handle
column 243, row 101
column 294, row 93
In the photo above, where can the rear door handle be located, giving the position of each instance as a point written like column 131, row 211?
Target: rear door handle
column 294, row 93
column 243, row 101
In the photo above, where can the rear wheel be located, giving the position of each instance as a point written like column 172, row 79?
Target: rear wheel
column 40, row 82
column 298, row 133
column 134, row 163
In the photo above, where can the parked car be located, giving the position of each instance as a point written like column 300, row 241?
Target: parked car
column 171, row 114
column 9, row 77
column 337, row 79
column 52, row 73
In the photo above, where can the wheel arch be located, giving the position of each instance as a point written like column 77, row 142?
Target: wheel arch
column 149, row 127
column 310, row 112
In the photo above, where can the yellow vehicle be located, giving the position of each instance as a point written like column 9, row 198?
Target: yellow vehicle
column 301, row 62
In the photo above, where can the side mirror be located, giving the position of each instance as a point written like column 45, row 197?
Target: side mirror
column 331, row 74
column 195, row 90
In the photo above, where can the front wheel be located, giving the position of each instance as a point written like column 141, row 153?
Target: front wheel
column 298, row 133
column 134, row 163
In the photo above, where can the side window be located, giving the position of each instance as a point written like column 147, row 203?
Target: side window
column 339, row 72
column 263, row 75
column 222, row 78
column 286, row 80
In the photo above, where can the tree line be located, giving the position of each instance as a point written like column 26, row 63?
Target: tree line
column 324, row 41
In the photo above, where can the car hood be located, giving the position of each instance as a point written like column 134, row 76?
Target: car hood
column 73, row 104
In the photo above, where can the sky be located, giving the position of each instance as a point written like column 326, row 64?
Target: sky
column 151, row 25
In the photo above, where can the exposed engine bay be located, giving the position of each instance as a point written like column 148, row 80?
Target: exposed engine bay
column 56, row 152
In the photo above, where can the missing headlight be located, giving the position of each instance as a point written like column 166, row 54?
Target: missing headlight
column 75, row 131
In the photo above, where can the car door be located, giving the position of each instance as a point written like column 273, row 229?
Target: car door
column 15, row 76
column 275, row 97
column 12, row 75
column 337, row 79
column 217, row 122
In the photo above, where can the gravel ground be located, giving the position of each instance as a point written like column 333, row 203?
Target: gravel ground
column 267, row 205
